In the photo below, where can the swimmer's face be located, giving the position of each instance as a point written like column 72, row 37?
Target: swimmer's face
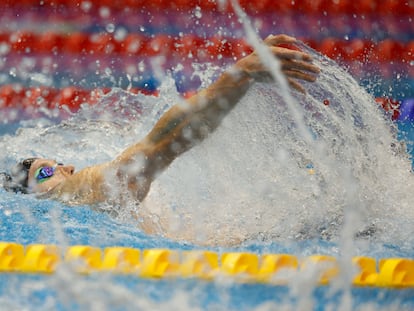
column 46, row 174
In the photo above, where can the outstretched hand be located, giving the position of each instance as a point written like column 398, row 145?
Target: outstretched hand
column 295, row 65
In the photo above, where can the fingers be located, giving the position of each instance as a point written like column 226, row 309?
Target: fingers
column 300, row 65
column 283, row 53
column 296, row 85
column 296, row 65
column 299, row 75
column 279, row 39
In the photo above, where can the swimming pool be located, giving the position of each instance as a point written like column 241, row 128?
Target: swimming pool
column 69, row 290
column 26, row 220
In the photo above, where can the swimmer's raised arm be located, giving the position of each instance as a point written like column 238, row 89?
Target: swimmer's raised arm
column 188, row 123
column 180, row 128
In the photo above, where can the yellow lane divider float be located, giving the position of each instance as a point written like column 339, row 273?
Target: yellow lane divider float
column 165, row 263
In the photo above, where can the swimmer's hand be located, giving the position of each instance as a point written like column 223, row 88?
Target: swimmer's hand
column 295, row 65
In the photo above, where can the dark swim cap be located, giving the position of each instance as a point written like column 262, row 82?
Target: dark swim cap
column 17, row 180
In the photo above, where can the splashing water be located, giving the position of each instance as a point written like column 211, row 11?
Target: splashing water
column 256, row 176
column 252, row 175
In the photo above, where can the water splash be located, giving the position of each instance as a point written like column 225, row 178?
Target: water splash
column 251, row 178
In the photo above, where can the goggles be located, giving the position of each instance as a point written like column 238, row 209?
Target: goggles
column 43, row 173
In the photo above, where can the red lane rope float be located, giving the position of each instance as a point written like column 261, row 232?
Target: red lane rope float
column 156, row 21
column 25, row 42
column 377, row 7
column 362, row 50
column 16, row 96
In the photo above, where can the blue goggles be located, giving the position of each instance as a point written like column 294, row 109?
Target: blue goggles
column 44, row 173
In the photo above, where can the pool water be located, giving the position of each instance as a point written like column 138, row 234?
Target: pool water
column 30, row 221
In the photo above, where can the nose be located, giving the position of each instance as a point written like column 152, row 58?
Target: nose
column 67, row 169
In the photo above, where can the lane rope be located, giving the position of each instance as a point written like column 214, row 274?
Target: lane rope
column 16, row 96
column 377, row 7
column 277, row 269
column 188, row 45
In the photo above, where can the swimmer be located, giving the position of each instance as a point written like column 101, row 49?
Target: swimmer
column 130, row 174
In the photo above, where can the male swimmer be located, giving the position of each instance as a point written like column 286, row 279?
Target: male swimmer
column 130, row 174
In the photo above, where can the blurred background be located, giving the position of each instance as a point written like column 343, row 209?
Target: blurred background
column 55, row 53
column 91, row 44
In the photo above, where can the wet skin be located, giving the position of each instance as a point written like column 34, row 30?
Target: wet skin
column 60, row 174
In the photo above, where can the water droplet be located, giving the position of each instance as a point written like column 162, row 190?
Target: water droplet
column 104, row 12
column 12, row 72
column 197, row 12
column 4, row 48
column 141, row 66
column 86, row 6
column 120, row 34
column 110, row 28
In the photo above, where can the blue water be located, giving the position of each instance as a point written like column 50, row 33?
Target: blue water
column 213, row 296
column 406, row 134
column 27, row 220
